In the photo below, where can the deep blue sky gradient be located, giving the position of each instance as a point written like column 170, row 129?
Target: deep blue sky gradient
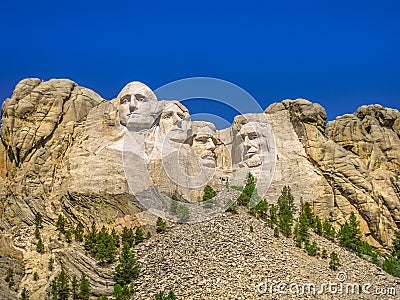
column 341, row 54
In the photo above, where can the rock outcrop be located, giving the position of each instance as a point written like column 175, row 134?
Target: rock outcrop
column 63, row 151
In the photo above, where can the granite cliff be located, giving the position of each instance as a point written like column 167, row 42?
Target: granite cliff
column 61, row 153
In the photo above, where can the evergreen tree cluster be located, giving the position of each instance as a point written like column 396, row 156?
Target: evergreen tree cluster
column 61, row 289
column 102, row 245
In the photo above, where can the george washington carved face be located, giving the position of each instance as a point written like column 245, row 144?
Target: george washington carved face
column 137, row 106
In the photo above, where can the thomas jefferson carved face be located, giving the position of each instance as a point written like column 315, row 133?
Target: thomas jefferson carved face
column 204, row 143
column 174, row 121
column 138, row 106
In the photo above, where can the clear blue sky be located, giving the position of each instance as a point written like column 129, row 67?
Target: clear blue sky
column 341, row 54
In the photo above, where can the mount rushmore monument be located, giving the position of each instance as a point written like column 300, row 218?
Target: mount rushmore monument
column 66, row 149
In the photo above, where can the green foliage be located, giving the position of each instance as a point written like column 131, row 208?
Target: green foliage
column 123, row 292
column 127, row 269
column 38, row 220
column 35, row 276
column 367, row 249
column 209, row 193
column 61, row 224
column 391, row 265
column 101, row 245
column 10, row 277
column 328, row 231
column 74, row 288
column 91, row 240
column 162, row 296
column 128, row 236
column 248, row 190
column 68, row 235
column 24, row 294
column 161, row 225
column 285, row 211
column 60, row 286
column 324, row 253
column 311, row 249
column 51, row 264
column 251, row 228
column 40, row 246
column 84, row 288
column 334, row 262
column 261, row 209
column 78, row 232
column 182, row 212
column 307, row 210
column 105, row 247
column 139, row 237
column 350, row 235
column 317, row 226
column 303, row 226
column 115, row 237
column 37, row 232
column 273, row 216
column 276, row 231
column 102, row 298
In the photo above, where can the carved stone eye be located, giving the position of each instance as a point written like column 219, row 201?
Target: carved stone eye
column 140, row 97
column 125, row 99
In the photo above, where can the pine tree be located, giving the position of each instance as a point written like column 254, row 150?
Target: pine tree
column 273, row 216
column 161, row 225
column 68, row 236
column 328, row 231
column 63, row 286
column 123, row 293
column 128, row 268
column 40, row 246
column 285, row 211
column 248, row 190
column 91, row 240
column 350, row 235
column 38, row 220
column 105, row 247
column 303, row 233
column 261, row 209
column 139, row 235
column 61, row 224
column 317, row 226
column 324, row 253
column 128, row 236
column 84, row 288
column 37, row 232
column 276, row 231
column 208, row 193
column 24, row 294
column 334, row 262
column 174, row 205
column 182, row 213
column 115, row 237
column 306, row 208
column 78, row 232
column 311, row 249
column 74, row 288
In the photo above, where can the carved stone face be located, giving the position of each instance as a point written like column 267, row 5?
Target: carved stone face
column 204, row 143
column 252, row 144
column 138, row 106
column 174, row 121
